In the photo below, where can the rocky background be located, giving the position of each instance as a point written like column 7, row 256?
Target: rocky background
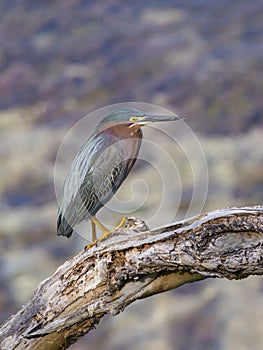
column 60, row 60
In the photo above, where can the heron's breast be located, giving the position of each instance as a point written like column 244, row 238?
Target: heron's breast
column 126, row 140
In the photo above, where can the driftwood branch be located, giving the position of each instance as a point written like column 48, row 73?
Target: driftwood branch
column 132, row 264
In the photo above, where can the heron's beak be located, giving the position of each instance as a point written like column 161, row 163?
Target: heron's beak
column 151, row 118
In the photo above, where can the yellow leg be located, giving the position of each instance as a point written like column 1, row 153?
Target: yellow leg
column 95, row 222
column 93, row 230
column 107, row 232
column 123, row 220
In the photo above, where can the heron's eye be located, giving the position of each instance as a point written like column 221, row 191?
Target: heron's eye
column 133, row 119
column 137, row 119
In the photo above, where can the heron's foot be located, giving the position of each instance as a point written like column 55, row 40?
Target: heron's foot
column 121, row 224
column 88, row 246
column 108, row 232
column 105, row 232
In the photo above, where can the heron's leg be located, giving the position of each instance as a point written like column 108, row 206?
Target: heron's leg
column 95, row 222
column 123, row 220
column 93, row 230
column 108, row 232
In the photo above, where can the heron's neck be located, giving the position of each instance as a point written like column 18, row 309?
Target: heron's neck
column 123, row 131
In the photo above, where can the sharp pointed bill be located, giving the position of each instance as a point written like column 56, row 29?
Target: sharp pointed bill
column 152, row 118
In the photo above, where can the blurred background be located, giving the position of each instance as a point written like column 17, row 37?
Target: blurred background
column 60, row 60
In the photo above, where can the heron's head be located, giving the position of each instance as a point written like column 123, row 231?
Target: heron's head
column 132, row 117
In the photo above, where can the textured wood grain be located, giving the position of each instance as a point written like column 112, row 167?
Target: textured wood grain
column 131, row 264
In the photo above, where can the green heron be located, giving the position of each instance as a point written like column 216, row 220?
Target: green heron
column 100, row 167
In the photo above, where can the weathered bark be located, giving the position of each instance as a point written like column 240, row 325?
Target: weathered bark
column 130, row 265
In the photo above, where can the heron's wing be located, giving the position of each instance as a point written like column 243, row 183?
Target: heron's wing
column 71, row 208
column 96, row 173
column 104, row 178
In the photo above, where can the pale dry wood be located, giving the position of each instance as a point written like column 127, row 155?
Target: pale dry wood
column 132, row 264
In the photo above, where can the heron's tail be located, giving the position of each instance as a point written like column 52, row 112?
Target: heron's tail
column 63, row 228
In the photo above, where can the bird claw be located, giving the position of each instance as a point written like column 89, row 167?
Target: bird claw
column 106, row 233
column 88, row 246
column 121, row 224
